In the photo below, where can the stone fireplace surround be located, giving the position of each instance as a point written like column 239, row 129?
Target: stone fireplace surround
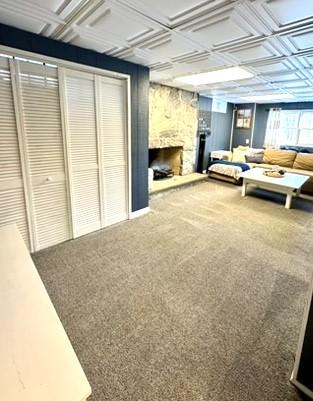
column 174, row 123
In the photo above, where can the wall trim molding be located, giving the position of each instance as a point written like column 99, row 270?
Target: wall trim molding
column 140, row 212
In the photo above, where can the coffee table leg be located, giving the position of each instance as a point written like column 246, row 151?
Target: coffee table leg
column 244, row 187
column 288, row 201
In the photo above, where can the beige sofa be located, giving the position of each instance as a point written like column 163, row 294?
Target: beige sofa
column 291, row 161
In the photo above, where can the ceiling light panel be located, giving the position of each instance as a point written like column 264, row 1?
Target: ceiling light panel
column 211, row 77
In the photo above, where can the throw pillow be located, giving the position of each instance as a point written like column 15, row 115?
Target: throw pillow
column 304, row 161
column 254, row 155
column 283, row 158
column 239, row 154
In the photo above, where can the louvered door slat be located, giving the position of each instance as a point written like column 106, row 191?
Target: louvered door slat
column 113, row 120
column 45, row 154
column 82, row 144
column 86, row 201
column 52, row 210
column 12, row 198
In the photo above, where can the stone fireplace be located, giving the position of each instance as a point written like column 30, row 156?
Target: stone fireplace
column 173, row 127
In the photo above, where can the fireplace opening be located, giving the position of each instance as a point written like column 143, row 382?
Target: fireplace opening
column 165, row 162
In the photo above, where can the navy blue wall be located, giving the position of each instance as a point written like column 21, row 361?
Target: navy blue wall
column 241, row 135
column 220, row 128
column 23, row 40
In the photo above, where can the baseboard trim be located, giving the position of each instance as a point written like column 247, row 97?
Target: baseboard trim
column 140, row 212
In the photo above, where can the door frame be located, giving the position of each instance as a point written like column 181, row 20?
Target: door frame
column 25, row 168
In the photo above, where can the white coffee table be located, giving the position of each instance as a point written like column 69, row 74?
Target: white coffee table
column 290, row 184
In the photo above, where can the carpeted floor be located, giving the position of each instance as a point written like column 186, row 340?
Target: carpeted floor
column 200, row 300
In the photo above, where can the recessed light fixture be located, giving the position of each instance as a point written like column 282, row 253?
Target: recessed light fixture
column 264, row 98
column 212, row 77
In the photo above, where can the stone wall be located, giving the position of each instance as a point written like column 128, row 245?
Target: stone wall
column 174, row 122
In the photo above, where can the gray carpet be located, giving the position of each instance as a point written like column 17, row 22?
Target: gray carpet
column 201, row 300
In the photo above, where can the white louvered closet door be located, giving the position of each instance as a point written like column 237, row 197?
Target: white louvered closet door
column 81, row 132
column 12, row 199
column 112, row 110
column 41, row 117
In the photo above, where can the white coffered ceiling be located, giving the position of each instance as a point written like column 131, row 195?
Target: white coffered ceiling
column 273, row 39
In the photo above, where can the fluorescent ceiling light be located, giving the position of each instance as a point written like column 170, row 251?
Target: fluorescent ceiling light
column 274, row 96
column 211, row 77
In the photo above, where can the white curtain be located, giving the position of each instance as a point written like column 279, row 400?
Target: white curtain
column 272, row 135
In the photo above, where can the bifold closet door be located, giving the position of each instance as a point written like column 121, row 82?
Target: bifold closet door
column 40, row 114
column 12, row 197
column 81, row 133
column 63, row 151
column 112, row 113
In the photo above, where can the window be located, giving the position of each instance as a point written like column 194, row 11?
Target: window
column 289, row 127
column 305, row 132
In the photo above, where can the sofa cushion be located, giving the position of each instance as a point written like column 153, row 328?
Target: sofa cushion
column 263, row 165
column 301, row 172
column 254, row 155
column 283, row 158
column 304, row 161
column 256, row 158
column 239, row 154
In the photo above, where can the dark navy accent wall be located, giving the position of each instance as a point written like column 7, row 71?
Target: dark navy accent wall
column 241, row 135
column 259, row 125
column 23, row 40
column 261, row 117
column 221, row 128
column 219, row 138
